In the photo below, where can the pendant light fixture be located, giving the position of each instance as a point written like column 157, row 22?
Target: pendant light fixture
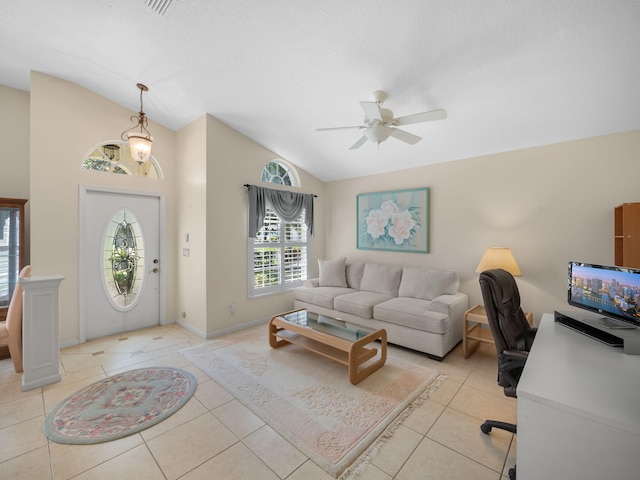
column 112, row 151
column 139, row 141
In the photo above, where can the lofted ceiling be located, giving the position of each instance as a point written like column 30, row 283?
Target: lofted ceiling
column 510, row 74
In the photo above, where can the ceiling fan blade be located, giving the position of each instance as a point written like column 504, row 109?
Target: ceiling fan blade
column 359, row 143
column 340, row 128
column 405, row 137
column 371, row 110
column 421, row 117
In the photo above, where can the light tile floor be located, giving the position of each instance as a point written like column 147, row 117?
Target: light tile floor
column 214, row 436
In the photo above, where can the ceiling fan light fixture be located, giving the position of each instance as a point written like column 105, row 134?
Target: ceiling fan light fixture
column 378, row 133
column 380, row 123
column 139, row 141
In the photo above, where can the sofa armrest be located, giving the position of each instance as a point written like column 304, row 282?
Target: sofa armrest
column 453, row 305
column 444, row 303
column 311, row 283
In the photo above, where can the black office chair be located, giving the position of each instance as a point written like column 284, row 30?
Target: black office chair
column 512, row 335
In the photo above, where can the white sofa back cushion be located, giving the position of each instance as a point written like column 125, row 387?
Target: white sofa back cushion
column 427, row 284
column 382, row 279
column 333, row 272
column 354, row 275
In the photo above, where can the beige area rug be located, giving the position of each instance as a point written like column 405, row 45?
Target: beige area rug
column 308, row 399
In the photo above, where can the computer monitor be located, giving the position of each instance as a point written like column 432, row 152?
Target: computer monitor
column 611, row 292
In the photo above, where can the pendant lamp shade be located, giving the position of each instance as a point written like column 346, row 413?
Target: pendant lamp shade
column 140, row 145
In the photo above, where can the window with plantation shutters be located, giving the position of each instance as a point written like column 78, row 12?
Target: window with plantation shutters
column 277, row 248
column 278, row 254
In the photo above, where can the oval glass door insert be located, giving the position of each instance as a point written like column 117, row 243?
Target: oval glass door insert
column 123, row 259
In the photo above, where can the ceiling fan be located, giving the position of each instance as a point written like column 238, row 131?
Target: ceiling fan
column 379, row 123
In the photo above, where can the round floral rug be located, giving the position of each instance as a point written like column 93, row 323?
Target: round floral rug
column 120, row 405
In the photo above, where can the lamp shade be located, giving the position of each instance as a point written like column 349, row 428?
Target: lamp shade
column 499, row 257
column 140, row 144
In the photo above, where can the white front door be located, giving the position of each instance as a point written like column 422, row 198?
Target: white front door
column 120, row 262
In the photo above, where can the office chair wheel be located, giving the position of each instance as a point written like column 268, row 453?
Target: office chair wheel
column 512, row 473
column 486, row 429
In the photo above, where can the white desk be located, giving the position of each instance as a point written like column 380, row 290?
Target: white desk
column 578, row 409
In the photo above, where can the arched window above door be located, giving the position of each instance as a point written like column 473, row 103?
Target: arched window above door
column 115, row 157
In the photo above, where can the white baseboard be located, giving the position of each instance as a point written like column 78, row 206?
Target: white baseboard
column 191, row 328
column 236, row 328
column 69, row 343
column 186, row 326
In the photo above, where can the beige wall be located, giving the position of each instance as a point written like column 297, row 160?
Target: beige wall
column 14, row 137
column 549, row 204
column 232, row 161
column 191, row 196
column 14, row 161
column 215, row 163
column 66, row 122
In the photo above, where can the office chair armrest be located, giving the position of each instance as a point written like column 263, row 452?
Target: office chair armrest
column 516, row 355
column 510, row 365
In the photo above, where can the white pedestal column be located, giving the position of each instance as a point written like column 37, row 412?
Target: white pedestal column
column 41, row 331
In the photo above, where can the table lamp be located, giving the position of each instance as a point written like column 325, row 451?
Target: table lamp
column 475, row 327
column 499, row 257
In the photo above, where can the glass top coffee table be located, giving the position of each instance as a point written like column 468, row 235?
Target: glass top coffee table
column 332, row 338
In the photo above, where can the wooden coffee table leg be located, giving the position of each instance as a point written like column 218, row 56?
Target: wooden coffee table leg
column 274, row 342
column 359, row 354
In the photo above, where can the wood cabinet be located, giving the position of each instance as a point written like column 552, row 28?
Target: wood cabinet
column 11, row 253
column 627, row 235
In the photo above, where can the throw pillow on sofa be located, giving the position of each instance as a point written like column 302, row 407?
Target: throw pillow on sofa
column 381, row 279
column 354, row 275
column 333, row 272
column 427, row 284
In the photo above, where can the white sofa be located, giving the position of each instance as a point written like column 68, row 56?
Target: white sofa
column 420, row 308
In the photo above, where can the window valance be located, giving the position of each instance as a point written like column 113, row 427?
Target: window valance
column 287, row 205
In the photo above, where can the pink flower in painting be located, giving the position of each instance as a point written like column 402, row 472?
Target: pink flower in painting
column 389, row 208
column 401, row 226
column 376, row 221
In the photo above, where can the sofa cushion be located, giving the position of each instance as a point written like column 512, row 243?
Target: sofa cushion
column 354, row 275
column 412, row 313
column 333, row 272
column 427, row 284
column 381, row 279
column 322, row 296
column 359, row 303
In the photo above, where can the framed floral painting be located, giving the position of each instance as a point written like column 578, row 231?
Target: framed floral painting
column 395, row 221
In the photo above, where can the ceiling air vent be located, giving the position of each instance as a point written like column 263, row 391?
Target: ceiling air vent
column 160, row 6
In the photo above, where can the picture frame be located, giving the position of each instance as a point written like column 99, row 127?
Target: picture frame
column 396, row 220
